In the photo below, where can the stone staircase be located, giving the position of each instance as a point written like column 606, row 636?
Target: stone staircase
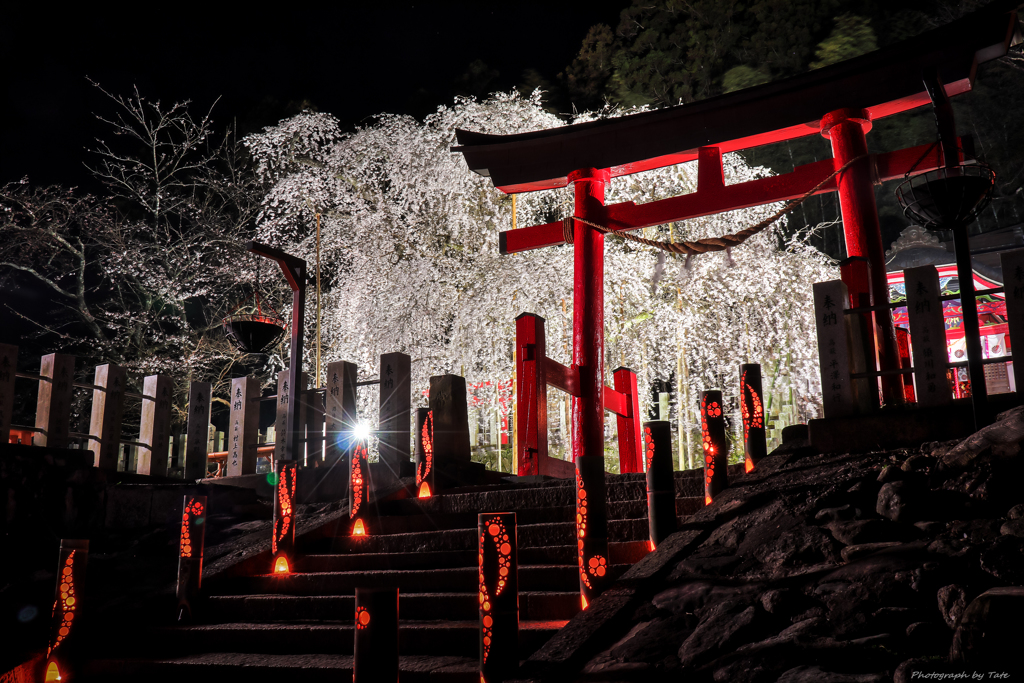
column 299, row 627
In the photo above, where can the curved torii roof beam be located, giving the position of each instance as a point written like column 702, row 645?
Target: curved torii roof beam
column 883, row 82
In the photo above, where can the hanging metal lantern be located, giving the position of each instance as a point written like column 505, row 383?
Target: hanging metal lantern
column 947, row 197
column 254, row 326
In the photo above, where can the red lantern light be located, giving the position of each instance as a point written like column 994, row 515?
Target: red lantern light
column 498, row 593
column 712, row 427
column 359, row 529
column 755, row 445
column 190, row 554
column 283, row 539
column 424, row 490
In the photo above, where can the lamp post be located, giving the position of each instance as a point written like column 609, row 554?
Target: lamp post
column 950, row 198
column 294, row 270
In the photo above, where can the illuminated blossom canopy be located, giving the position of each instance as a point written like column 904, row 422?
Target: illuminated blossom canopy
column 410, row 262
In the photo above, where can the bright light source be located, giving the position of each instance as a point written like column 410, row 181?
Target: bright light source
column 52, row 672
column 361, row 431
column 281, row 566
column 359, row 529
column 424, row 490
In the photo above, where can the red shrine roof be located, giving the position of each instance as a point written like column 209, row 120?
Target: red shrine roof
column 884, row 82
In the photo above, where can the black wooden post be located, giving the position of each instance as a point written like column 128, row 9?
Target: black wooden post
column 65, row 623
column 190, row 554
column 283, row 540
column 424, row 454
column 661, row 490
column 499, row 596
column 755, row 443
column 716, row 448
column 376, row 640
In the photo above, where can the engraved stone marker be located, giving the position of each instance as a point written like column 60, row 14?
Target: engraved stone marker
column 840, row 352
column 450, row 417
column 927, row 336
column 341, row 411
column 155, row 429
column 395, row 409
column 107, row 410
column 53, row 405
column 199, row 395
column 243, row 426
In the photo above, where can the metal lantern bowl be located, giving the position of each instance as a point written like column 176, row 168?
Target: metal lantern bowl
column 254, row 328
column 946, row 197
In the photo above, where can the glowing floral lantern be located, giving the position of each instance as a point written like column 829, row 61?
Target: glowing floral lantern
column 424, row 453
column 499, row 595
column 661, row 491
column 755, row 443
column 359, row 489
column 716, row 448
column 376, row 636
column 67, row 610
column 283, row 539
column 190, row 554
column 591, row 527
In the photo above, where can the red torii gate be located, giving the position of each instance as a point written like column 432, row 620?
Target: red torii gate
column 838, row 102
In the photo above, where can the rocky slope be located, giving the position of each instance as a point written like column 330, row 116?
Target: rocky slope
column 831, row 568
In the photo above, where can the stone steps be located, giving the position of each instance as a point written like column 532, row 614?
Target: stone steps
column 414, row 515
column 321, row 559
column 218, row 667
column 529, row 536
column 449, row 637
column 533, row 605
column 452, row 579
column 546, row 495
column 299, row 627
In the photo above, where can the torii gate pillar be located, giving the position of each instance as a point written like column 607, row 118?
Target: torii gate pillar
column 846, row 129
column 588, row 314
column 588, row 408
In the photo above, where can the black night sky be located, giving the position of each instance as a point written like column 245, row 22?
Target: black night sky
column 352, row 61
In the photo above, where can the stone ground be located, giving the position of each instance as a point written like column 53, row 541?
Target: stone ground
column 825, row 568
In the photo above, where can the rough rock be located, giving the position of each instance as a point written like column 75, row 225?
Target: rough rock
column 652, row 641
column 814, row 674
column 1003, row 438
column 919, row 462
column 692, row 597
column 1003, row 559
column 854, row 552
column 871, row 531
column 835, row 514
column 901, row 501
column 806, row 582
column 721, row 629
column 742, row 672
column 952, row 601
column 803, row 545
column 1014, row 527
column 991, row 631
column 890, row 473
